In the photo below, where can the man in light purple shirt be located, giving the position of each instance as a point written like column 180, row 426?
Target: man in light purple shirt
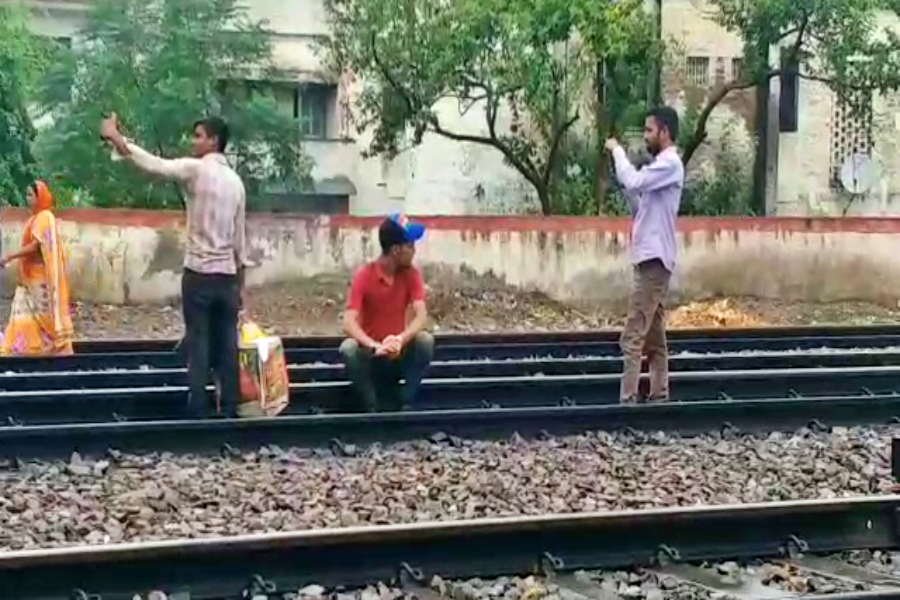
column 654, row 194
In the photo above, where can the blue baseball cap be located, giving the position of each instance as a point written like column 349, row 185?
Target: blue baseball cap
column 412, row 232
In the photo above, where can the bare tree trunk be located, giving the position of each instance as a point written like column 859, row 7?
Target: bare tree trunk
column 654, row 88
column 601, row 121
column 761, row 130
column 543, row 193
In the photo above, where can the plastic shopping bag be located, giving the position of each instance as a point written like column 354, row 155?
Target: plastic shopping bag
column 264, row 384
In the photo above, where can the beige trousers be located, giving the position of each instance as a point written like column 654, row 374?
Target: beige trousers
column 645, row 332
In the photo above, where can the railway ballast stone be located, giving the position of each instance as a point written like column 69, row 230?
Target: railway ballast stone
column 163, row 496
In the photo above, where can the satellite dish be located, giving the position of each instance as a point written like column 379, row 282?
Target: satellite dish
column 860, row 173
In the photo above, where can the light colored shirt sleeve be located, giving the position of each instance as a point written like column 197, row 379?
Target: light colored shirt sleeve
column 179, row 169
column 634, row 199
column 240, row 232
column 657, row 175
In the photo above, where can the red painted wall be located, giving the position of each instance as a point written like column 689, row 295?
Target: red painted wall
column 161, row 218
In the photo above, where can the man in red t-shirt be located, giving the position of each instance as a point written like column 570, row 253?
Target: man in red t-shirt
column 382, row 347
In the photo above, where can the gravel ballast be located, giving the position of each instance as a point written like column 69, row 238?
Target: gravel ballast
column 152, row 497
column 720, row 580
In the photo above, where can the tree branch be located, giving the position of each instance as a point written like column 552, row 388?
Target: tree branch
column 700, row 133
column 831, row 82
column 798, row 43
column 527, row 170
column 718, row 95
column 386, row 73
column 554, row 148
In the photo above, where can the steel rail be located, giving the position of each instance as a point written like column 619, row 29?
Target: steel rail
column 450, row 351
column 223, row 567
column 66, row 380
column 347, row 434
column 596, row 335
column 150, row 403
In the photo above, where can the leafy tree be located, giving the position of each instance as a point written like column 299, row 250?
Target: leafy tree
column 161, row 66
column 498, row 57
column 532, row 60
column 835, row 42
column 23, row 56
column 623, row 45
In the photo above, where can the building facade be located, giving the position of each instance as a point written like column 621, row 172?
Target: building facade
column 446, row 177
column 438, row 177
column 804, row 166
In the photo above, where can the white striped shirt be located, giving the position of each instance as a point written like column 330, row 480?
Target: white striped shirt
column 216, row 208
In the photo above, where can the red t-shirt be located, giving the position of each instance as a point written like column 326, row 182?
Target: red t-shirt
column 383, row 301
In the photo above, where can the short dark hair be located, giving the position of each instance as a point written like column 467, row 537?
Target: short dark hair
column 666, row 118
column 215, row 127
column 390, row 234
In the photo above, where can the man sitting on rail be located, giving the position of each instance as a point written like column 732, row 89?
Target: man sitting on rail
column 383, row 347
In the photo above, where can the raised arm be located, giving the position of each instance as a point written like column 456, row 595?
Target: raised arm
column 179, row 169
column 656, row 175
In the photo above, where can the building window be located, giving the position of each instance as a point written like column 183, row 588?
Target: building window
column 737, row 69
column 851, row 130
column 698, row 71
column 720, row 70
column 311, row 104
column 285, row 97
column 313, row 101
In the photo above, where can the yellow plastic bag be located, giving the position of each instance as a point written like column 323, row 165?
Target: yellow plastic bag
column 264, row 385
column 250, row 332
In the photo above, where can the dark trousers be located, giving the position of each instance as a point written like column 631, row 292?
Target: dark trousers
column 376, row 379
column 210, row 304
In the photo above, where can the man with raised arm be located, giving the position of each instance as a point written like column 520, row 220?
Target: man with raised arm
column 383, row 345
column 215, row 255
column 654, row 194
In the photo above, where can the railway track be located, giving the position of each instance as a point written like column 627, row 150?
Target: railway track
column 133, row 354
column 350, row 434
column 680, row 545
column 761, row 335
column 52, row 413
column 167, row 402
column 589, row 365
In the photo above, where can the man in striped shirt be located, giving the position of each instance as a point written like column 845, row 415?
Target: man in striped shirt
column 212, row 283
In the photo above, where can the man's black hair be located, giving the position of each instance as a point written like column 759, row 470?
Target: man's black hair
column 390, row 234
column 215, row 127
column 666, row 118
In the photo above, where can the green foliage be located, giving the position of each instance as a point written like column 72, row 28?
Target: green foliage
column 726, row 190
column 576, row 191
column 490, row 56
column 161, row 66
column 840, row 43
column 23, row 57
column 523, row 62
column 621, row 41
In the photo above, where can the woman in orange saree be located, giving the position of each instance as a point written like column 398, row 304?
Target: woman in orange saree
column 40, row 322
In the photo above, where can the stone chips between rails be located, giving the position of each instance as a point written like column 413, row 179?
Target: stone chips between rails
column 775, row 577
column 153, row 497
